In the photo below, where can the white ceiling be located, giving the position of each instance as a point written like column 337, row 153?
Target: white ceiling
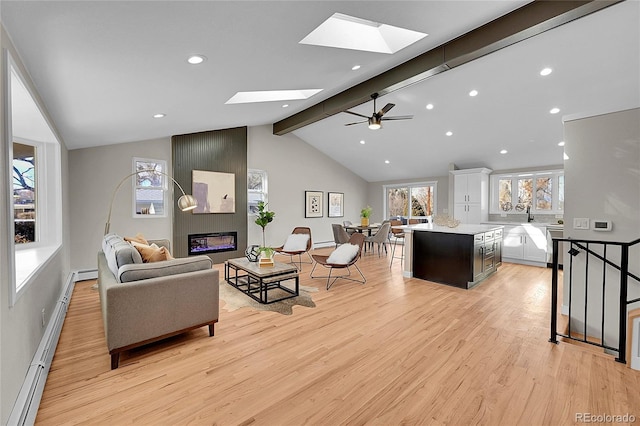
column 104, row 68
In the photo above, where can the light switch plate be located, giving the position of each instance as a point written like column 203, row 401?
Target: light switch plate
column 580, row 223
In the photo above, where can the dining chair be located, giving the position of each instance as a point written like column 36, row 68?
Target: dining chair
column 348, row 223
column 296, row 247
column 337, row 260
column 397, row 235
column 340, row 236
column 381, row 237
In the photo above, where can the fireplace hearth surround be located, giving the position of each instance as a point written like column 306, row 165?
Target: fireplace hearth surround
column 212, row 242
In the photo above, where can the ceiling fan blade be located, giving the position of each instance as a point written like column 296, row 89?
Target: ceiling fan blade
column 385, row 110
column 357, row 122
column 355, row 113
column 399, row 117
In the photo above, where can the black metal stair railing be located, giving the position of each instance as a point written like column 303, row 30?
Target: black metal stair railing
column 586, row 246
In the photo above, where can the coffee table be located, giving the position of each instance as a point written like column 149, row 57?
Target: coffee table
column 251, row 279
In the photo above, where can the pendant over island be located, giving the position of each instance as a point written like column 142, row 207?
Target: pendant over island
column 463, row 256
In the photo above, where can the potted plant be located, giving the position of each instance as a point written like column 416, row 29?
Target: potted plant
column 264, row 218
column 365, row 214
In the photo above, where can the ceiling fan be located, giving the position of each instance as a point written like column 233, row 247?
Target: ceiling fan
column 375, row 121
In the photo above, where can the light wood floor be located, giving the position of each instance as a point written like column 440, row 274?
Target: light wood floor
column 391, row 351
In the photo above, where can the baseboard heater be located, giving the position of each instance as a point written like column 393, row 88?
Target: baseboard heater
column 26, row 406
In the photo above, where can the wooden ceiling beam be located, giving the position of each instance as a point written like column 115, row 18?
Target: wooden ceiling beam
column 520, row 24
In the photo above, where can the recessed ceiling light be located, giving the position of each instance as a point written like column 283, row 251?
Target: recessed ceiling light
column 355, row 67
column 349, row 32
column 196, row 59
column 449, row 133
column 554, row 110
column 504, row 151
column 159, row 115
column 271, row 95
column 386, row 161
column 561, row 143
column 473, row 93
column 429, row 106
column 362, row 142
column 546, row 71
column 285, row 106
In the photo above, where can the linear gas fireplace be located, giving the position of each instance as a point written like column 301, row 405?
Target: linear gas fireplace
column 212, row 242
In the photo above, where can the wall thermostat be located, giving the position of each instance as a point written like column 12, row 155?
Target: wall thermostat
column 601, row 225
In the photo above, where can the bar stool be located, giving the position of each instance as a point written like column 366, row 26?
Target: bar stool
column 398, row 235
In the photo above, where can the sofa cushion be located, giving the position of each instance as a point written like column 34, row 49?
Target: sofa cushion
column 143, row 271
column 118, row 253
column 152, row 253
column 139, row 238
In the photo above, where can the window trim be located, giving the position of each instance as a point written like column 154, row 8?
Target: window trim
column 494, row 179
column 164, row 187
column 25, row 263
column 433, row 183
column 265, row 189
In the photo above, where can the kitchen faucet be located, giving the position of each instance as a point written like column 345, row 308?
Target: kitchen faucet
column 529, row 216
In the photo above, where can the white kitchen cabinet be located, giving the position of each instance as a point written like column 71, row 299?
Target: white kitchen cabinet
column 471, row 195
column 527, row 243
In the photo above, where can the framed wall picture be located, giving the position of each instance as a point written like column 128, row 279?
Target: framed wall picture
column 336, row 204
column 214, row 191
column 313, row 203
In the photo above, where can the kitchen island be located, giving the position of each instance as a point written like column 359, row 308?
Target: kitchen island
column 462, row 256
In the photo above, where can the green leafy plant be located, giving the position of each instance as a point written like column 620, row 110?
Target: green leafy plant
column 264, row 218
column 366, row 212
column 267, row 251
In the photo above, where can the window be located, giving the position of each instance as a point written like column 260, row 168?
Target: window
column 410, row 200
column 256, row 189
column 24, row 193
column 35, row 189
column 543, row 191
column 149, row 185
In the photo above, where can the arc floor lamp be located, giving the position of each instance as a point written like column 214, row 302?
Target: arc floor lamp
column 186, row 202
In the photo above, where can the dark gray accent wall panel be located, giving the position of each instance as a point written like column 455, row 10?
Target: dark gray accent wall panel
column 217, row 151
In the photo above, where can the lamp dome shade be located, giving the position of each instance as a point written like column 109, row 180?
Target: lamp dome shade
column 187, row 202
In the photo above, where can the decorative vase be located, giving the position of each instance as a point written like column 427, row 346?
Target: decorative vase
column 364, row 221
column 252, row 253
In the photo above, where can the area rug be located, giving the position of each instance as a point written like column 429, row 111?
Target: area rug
column 235, row 299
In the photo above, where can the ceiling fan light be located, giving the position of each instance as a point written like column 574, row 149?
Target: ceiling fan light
column 374, row 123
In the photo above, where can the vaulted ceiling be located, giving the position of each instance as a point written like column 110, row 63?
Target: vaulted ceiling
column 103, row 69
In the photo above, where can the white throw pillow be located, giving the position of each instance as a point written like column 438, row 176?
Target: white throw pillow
column 296, row 242
column 343, row 254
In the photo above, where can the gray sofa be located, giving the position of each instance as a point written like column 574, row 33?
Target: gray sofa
column 145, row 302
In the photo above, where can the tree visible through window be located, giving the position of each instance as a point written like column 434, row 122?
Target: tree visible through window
column 149, row 186
column 410, row 200
column 24, row 193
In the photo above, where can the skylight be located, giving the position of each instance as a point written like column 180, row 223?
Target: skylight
column 348, row 32
column 271, row 96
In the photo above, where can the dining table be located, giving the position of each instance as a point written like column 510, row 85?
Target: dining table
column 363, row 229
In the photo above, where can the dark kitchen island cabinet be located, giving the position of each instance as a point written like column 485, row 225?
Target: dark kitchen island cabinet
column 462, row 257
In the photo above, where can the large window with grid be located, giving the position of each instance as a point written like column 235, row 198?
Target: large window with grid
column 540, row 191
column 415, row 200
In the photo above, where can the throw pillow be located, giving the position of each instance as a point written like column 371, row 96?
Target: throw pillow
column 139, row 238
column 343, row 254
column 152, row 253
column 296, row 242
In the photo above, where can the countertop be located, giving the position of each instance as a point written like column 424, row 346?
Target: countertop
column 466, row 229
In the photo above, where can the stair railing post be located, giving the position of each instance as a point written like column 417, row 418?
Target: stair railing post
column 554, row 294
column 622, row 335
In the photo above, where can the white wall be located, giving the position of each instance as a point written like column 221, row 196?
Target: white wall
column 21, row 326
column 294, row 166
column 602, row 181
column 94, row 175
